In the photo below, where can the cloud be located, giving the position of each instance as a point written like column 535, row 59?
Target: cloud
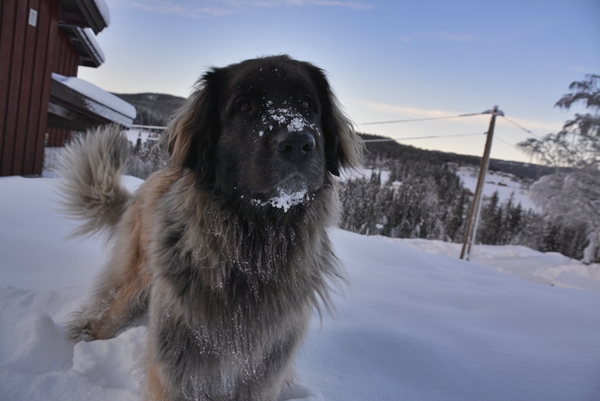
column 190, row 8
column 183, row 8
column 539, row 128
column 328, row 3
column 442, row 36
column 453, row 37
column 398, row 112
column 350, row 4
column 410, row 112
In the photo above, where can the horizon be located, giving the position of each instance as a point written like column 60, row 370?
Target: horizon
column 385, row 60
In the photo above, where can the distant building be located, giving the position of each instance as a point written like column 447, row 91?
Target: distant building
column 42, row 44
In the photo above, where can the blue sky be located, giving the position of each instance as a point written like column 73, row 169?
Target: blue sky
column 387, row 60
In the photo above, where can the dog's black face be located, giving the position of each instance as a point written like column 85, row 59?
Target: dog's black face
column 262, row 129
column 271, row 141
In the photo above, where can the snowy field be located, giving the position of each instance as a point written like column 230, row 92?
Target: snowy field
column 415, row 322
column 133, row 134
column 505, row 184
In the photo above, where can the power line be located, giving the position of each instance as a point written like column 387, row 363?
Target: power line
column 422, row 119
column 506, row 142
column 419, row 137
column 521, row 127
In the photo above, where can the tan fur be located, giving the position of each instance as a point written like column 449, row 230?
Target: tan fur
column 126, row 275
column 92, row 166
column 155, row 390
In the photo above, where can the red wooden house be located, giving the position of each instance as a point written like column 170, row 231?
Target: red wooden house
column 42, row 44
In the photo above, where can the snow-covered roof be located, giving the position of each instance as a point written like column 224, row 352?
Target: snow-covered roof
column 85, row 13
column 104, row 11
column 84, row 41
column 90, row 38
column 95, row 100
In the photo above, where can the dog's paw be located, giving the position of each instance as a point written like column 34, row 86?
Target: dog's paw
column 80, row 332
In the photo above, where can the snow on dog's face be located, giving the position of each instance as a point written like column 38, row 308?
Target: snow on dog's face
column 263, row 131
column 271, row 137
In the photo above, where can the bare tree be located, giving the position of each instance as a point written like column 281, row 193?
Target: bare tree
column 573, row 192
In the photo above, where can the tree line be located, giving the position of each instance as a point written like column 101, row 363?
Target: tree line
column 424, row 198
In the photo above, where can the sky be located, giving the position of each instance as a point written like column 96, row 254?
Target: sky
column 386, row 60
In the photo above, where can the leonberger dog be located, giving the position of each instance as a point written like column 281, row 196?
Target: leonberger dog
column 226, row 250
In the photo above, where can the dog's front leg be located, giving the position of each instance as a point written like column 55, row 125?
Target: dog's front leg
column 121, row 290
column 110, row 310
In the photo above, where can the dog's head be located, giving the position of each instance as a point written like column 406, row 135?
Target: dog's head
column 261, row 128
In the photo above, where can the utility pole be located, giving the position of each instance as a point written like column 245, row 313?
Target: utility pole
column 473, row 219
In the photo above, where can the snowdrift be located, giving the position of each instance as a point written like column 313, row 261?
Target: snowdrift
column 410, row 326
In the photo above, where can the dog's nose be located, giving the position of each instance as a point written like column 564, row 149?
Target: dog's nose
column 295, row 146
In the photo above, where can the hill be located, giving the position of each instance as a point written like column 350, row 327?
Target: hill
column 393, row 150
column 152, row 108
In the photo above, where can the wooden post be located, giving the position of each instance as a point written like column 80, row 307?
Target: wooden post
column 473, row 219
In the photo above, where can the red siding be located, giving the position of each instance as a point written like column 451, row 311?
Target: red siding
column 7, row 12
column 48, row 29
column 28, row 56
column 67, row 62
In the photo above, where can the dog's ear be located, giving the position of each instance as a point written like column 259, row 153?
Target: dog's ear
column 193, row 133
column 343, row 147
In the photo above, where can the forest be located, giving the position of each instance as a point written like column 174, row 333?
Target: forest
column 424, row 198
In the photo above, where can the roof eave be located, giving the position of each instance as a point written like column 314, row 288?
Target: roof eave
column 90, row 53
column 73, row 110
column 84, row 13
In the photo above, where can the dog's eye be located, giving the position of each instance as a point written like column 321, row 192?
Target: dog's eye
column 244, row 106
column 306, row 104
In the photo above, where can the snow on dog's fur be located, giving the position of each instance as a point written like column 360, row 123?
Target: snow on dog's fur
column 226, row 250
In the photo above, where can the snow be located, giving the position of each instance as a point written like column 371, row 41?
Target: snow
column 412, row 325
column 290, row 116
column 284, row 200
column 505, row 184
column 91, row 39
column 544, row 268
column 104, row 11
column 365, row 173
column 97, row 94
column 134, row 133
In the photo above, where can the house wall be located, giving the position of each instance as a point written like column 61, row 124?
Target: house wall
column 28, row 56
column 66, row 63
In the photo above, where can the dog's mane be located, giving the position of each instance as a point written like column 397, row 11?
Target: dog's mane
column 249, row 248
column 245, row 267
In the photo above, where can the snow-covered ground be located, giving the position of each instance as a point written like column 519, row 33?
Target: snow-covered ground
column 134, row 133
column 505, row 184
column 412, row 325
column 364, row 173
column 544, row 268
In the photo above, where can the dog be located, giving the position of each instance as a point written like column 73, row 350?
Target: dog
column 226, row 250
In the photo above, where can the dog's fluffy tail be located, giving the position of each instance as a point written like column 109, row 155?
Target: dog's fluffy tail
column 91, row 169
